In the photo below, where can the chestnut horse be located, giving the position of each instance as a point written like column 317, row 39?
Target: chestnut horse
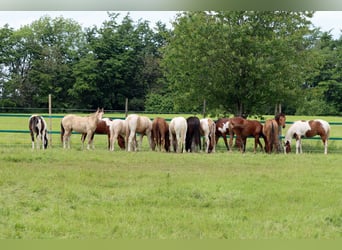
column 244, row 128
column 310, row 128
column 137, row 124
column 222, row 130
column 272, row 131
column 38, row 127
column 208, row 130
column 193, row 135
column 160, row 135
column 80, row 124
column 178, row 128
column 103, row 128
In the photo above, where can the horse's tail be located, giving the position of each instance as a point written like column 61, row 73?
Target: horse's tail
column 62, row 132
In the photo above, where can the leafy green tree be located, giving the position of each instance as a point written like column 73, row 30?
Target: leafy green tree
column 241, row 62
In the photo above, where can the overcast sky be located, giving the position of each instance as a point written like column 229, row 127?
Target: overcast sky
column 326, row 20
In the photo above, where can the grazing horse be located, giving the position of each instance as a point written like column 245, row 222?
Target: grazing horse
column 222, row 130
column 272, row 132
column 38, row 127
column 193, row 134
column 208, row 130
column 117, row 131
column 102, row 128
column 178, row 129
column 310, row 128
column 244, row 128
column 137, row 124
column 160, row 135
column 82, row 125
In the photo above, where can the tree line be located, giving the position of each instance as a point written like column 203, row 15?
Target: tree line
column 238, row 62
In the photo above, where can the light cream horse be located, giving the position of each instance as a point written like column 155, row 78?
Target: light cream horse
column 85, row 125
column 117, row 127
column 137, row 124
column 177, row 128
column 208, row 130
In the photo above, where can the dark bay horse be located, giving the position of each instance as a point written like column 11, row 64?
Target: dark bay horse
column 38, row 127
column 103, row 128
column 193, row 135
column 310, row 128
column 272, row 131
column 244, row 128
column 160, row 135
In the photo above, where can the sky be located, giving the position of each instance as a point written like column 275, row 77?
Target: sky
column 326, row 20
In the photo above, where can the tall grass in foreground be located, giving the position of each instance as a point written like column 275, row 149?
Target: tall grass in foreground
column 104, row 195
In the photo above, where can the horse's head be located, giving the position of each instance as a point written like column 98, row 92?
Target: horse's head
column 99, row 113
column 287, row 147
column 281, row 119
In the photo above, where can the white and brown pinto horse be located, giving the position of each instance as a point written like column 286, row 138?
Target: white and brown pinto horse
column 84, row 125
column 308, row 129
column 208, row 130
column 137, row 124
column 178, row 128
column 38, row 127
column 222, row 130
column 118, row 129
column 160, row 135
column 272, row 131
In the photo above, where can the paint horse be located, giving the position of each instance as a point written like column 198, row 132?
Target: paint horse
column 178, row 129
column 244, row 128
column 308, row 129
column 193, row 135
column 222, row 130
column 117, row 131
column 160, row 135
column 82, row 125
column 272, row 131
column 208, row 130
column 137, row 124
column 38, row 127
column 103, row 128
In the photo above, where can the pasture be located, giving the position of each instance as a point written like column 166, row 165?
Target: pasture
column 97, row 194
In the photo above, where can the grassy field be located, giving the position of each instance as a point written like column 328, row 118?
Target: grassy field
column 74, row 194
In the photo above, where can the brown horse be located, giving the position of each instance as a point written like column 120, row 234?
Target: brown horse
column 222, row 130
column 137, row 124
column 244, row 128
column 272, row 132
column 80, row 124
column 160, row 135
column 103, row 128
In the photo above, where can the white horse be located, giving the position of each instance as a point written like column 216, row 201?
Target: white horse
column 38, row 127
column 137, row 124
column 117, row 127
column 208, row 130
column 310, row 128
column 178, row 128
column 85, row 125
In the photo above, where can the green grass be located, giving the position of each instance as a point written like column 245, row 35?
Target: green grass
column 96, row 194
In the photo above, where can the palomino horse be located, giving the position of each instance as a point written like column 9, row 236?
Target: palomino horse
column 82, row 125
column 310, row 128
column 193, row 135
column 117, row 130
column 102, row 128
column 208, row 130
column 244, row 128
column 272, row 132
column 38, row 127
column 160, row 135
column 137, row 124
column 222, row 130
column 178, row 128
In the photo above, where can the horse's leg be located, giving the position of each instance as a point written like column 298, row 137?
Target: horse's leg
column 298, row 146
column 325, row 143
column 130, row 140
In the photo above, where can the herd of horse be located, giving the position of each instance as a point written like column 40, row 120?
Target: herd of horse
column 182, row 135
